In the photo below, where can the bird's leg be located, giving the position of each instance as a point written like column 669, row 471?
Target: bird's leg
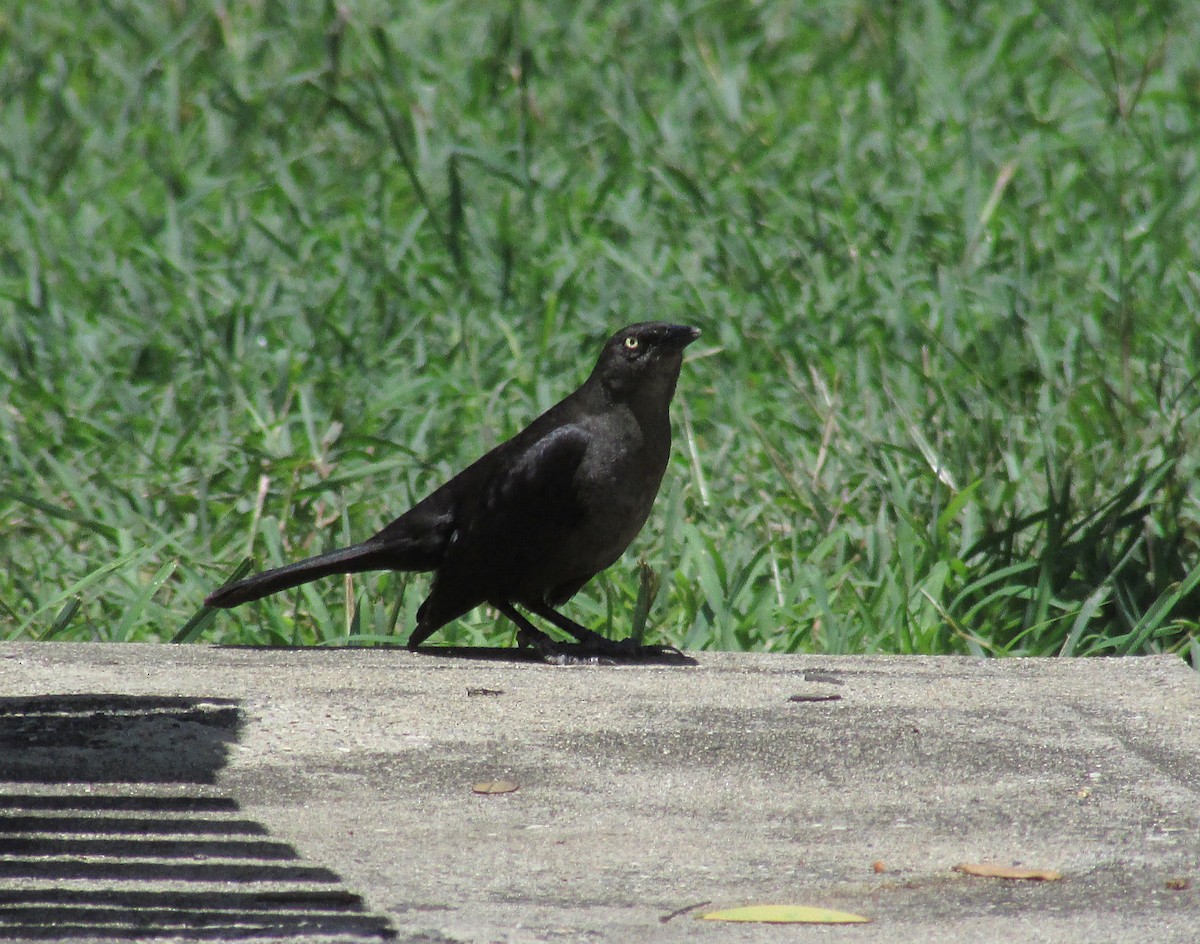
column 594, row 644
column 549, row 649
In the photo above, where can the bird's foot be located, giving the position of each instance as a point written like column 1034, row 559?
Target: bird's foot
column 554, row 652
column 600, row 650
column 631, row 650
column 627, row 650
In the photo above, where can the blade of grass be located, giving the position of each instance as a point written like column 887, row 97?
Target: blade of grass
column 135, row 610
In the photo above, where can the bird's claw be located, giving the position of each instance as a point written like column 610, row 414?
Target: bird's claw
column 666, row 654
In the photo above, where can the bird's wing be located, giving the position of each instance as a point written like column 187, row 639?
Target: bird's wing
column 417, row 539
column 538, row 479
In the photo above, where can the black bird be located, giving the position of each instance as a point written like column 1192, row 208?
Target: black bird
column 536, row 518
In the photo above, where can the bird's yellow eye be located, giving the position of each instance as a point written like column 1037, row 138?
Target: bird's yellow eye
column 631, row 343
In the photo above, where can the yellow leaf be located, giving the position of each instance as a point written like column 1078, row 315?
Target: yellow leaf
column 785, row 914
column 494, row 786
column 987, row 870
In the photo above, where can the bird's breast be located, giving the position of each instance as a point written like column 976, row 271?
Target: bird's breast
column 615, row 486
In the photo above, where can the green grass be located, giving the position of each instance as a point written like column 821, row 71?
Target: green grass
column 271, row 271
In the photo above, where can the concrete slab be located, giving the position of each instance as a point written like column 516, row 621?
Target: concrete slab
column 198, row 793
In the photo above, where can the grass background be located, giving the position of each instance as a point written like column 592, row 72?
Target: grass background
column 270, row 271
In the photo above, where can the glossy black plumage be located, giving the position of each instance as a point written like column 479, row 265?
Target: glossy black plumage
column 533, row 520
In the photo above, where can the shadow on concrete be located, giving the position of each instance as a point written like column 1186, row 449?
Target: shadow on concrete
column 510, row 655
column 478, row 653
column 110, row 829
column 514, row 655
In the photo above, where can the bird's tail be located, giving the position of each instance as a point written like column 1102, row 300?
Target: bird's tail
column 348, row 560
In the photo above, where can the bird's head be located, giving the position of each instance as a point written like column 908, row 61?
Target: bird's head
column 644, row 359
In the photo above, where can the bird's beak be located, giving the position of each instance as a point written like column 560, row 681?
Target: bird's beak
column 681, row 336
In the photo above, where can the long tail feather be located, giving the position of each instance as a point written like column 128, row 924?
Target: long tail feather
column 348, row 560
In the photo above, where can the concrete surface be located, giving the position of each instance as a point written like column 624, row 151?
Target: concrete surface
column 198, row 793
